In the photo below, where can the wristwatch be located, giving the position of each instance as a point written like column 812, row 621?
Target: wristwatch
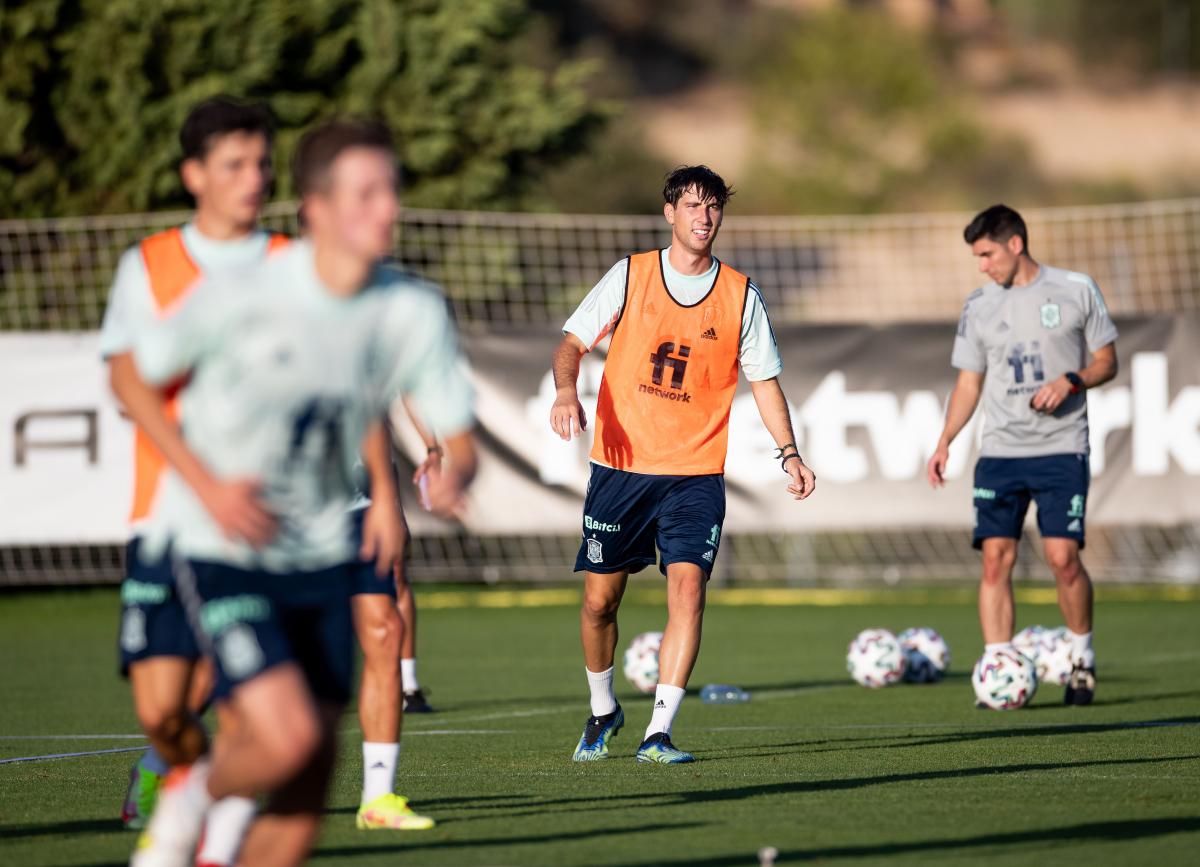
column 1076, row 382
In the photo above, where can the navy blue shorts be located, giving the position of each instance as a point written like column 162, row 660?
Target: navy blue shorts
column 1004, row 488
column 363, row 579
column 153, row 621
column 627, row 515
column 251, row 621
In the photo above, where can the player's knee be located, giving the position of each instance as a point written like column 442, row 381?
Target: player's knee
column 998, row 564
column 600, row 606
column 381, row 636
column 162, row 725
column 291, row 748
column 1065, row 564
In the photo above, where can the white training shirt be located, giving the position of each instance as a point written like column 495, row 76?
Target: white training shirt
column 285, row 377
column 131, row 306
column 758, row 352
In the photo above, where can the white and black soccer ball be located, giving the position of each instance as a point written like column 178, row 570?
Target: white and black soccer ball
column 1054, row 661
column 640, row 663
column 926, row 654
column 875, row 658
column 1028, row 641
column 1004, row 679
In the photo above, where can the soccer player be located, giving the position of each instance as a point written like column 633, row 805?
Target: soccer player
column 385, row 621
column 226, row 167
column 291, row 365
column 681, row 323
column 1030, row 343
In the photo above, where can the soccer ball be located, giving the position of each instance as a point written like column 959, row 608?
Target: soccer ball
column 641, row 661
column 1004, row 679
column 1028, row 640
column 926, row 654
column 1053, row 660
column 875, row 658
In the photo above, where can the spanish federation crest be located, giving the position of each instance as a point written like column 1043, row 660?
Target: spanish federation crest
column 1051, row 315
column 595, row 551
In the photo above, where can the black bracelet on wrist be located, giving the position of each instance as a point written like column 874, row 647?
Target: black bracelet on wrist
column 434, row 450
column 1076, row 382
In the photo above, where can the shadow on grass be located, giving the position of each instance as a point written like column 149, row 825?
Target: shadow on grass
column 738, row 793
column 1107, row 832
column 1126, row 699
column 580, row 698
column 904, row 741
column 77, row 826
column 439, row 841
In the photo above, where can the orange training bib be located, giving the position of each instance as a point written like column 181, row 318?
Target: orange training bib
column 670, row 375
column 171, row 272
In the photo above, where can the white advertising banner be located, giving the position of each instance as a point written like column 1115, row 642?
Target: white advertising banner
column 867, row 404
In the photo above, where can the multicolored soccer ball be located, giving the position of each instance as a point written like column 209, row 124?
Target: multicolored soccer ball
column 1004, row 679
column 640, row 663
column 926, row 654
column 875, row 658
column 1054, row 660
column 1028, row 641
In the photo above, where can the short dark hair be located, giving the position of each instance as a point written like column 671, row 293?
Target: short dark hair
column 220, row 116
column 707, row 184
column 320, row 147
column 997, row 223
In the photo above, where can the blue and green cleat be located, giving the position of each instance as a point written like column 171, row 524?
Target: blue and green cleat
column 593, row 744
column 141, row 796
column 658, row 748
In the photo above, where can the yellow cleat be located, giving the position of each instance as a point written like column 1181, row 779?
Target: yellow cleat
column 391, row 813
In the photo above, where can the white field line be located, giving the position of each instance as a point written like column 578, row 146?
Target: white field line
column 72, row 737
column 49, row 756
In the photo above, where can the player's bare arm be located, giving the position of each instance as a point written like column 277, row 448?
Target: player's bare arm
column 1101, row 369
column 433, row 451
column 234, row 503
column 773, row 408
column 963, row 400
column 567, row 417
column 448, row 482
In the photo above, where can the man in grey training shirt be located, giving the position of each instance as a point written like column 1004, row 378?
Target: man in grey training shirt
column 1030, row 343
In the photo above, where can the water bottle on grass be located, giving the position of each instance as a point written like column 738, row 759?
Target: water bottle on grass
column 723, row 693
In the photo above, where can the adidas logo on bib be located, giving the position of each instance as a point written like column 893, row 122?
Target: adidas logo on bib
column 710, row 334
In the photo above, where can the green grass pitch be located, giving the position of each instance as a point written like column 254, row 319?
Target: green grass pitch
column 814, row 765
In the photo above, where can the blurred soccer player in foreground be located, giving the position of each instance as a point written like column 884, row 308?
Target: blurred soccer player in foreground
column 1030, row 344
column 291, row 365
column 227, row 168
column 682, row 322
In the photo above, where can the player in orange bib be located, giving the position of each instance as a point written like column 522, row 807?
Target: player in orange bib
column 682, row 323
column 227, row 169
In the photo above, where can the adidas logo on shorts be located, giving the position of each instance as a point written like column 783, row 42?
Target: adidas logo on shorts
column 711, row 334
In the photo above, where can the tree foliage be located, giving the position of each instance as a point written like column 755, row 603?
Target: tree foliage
column 93, row 93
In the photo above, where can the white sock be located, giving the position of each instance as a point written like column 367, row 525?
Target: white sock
column 408, row 675
column 225, row 828
column 1081, row 648
column 178, row 816
column 379, row 770
column 666, row 704
column 601, row 685
column 195, row 787
column 997, row 645
column 153, row 762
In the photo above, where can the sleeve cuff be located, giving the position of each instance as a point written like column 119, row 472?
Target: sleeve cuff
column 762, row 374
column 587, row 341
